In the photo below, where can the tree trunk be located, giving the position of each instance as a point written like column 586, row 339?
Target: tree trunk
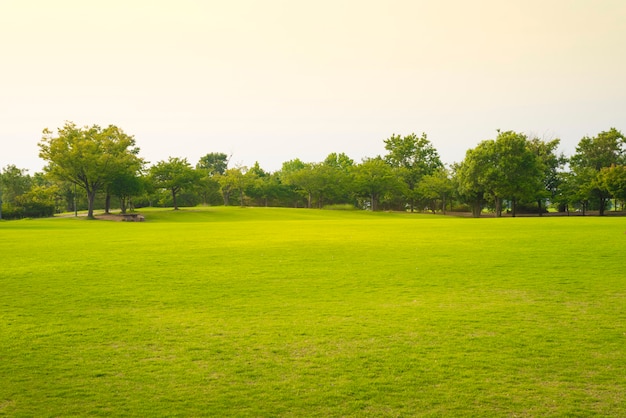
column 514, row 207
column 107, row 204
column 174, row 199
column 602, row 206
column 498, row 205
column 476, row 208
column 91, row 198
column 539, row 206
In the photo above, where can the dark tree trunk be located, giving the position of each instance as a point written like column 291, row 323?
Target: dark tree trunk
column 498, row 205
column 477, row 208
column 174, row 199
column 91, row 198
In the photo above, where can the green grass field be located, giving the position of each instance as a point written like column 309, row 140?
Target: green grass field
column 285, row 312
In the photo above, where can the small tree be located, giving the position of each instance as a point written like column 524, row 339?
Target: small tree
column 174, row 175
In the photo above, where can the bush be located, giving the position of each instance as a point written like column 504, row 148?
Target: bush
column 11, row 212
column 28, row 210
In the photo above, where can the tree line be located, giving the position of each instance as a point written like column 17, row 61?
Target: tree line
column 96, row 168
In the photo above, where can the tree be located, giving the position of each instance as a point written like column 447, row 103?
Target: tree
column 436, row 186
column 374, row 177
column 517, row 168
column 338, row 169
column 125, row 186
column 14, row 182
column 233, row 180
column 414, row 157
column 88, row 157
column 213, row 163
column 551, row 164
column 504, row 168
column 613, row 180
column 174, row 175
column 469, row 177
column 261, row 185
column 594, row 153
column 303, row 176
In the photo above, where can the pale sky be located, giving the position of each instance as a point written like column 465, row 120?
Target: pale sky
column 274, row 80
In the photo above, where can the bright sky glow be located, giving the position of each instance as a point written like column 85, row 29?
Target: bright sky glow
column 273, row 80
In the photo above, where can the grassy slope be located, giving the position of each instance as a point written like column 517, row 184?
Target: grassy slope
column 265, row 312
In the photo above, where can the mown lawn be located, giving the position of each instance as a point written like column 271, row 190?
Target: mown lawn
column 286, row 312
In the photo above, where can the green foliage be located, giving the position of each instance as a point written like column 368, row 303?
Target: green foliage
column 89, row 157
column 592, row 154
column 278, row 312
column 414, row 157
column 213, row 163
column 508, row 167
column 174, row 175
column 373, row 178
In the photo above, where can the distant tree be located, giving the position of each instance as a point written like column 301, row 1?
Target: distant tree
column 289, row 191
column 517, row 168
column 125, row 185
column 14, row 182
column 174, row 175
column 504, row 168
column 594, row 153
column 551, row 165
column 303, row 176
column 261, row 186
column 88, row 157
column 469, row 178
column 213, row 163
column 234, row 181
column 436, row 186
column 413, row 157
column 373, row 178
column 338, row 170
column 613, row 180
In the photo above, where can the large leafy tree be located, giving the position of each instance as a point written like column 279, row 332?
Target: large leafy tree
column 373, row 178
column 551, row 163
column 338, row 169
column 504, row 168
column 89, row 157
column 125, row 186
column 234, row 180
column 175, row 174
column 305, row 177
column 470, row 177
column 213, row 163
column 517, row 169
column 594, row 153
column 414, row 157
column 613, row 180
column 13, row 183
column 436, row 186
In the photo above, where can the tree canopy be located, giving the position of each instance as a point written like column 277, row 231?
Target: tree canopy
column 89, row 157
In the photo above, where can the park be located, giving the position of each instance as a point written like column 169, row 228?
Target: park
column 246, row 311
